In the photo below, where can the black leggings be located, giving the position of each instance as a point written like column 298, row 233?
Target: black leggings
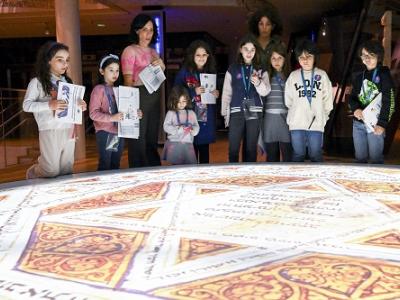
column 143, row 152
column 274, row 151
column 202, row 153
column 240, row 129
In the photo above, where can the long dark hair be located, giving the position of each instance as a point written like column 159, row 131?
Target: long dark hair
column 273, row 16
column 249, row 38
column 177, row 92
column 45, row 54
column 138, row 23
column 190, row 65
column 281, row 50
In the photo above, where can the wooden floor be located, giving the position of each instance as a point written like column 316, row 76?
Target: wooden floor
column 218, row 154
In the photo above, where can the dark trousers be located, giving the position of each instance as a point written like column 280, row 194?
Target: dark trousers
column 143, row 152
column 274, row 151
column 238, row 129
column 108, row 160
column 202, row 153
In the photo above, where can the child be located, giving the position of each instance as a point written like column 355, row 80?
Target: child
column 373, row 82
column 276, row 134
column 241, row 102
column 309, row 98
column 181, row 126
column 56, row 139
column 104, row 113
column 199, row 59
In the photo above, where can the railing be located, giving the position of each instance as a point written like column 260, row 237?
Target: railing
column 19, row 134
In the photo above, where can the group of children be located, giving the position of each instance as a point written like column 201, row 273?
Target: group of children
column 289, row 113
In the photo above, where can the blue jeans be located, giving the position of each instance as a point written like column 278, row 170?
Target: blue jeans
column 302, row 139
column 367, row 145
column 108, row 160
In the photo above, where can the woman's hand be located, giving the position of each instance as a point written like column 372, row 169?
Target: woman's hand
column 358, row 114
column 58, row 104
column 139, row 113
column 378, row 130
column 158, row 62
column 117, row 117
column 200, row 90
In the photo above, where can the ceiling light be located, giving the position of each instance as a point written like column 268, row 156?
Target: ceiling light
column 46, row 29
column 101, row 25
column 324, row 27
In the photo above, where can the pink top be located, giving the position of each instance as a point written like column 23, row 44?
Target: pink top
column 99, row 110
column 134, row 59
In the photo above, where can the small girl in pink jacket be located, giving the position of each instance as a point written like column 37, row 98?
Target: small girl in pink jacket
column 104, row 113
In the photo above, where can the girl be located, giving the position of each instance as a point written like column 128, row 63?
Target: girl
column 143, row 151
column 276, row 134
column 104, row 113
column 181, row 126
column 309, row 98
column 56, row 139
column 374, row 81
column 241, row 102
column 199, row 59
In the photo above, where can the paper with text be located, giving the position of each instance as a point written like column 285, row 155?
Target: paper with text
column 128, row 103
column 71, row 94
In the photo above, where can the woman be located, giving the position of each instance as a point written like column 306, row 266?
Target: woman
column 143, row 152
column 266, row 25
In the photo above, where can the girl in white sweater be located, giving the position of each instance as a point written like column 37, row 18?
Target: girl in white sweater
column 56, row 139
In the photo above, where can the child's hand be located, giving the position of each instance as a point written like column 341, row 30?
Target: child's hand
column 117, row 117
column 58, row 104
column 82, row 104
column 199, row 90
column 254, row 79
column 215, row 93
column 139, row 113
column 187, row 129
column 378, row 130
column 358, row 114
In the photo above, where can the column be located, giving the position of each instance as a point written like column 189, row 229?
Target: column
column 386, row 22
column 69, row 33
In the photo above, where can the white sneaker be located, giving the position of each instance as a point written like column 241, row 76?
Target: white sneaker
column 30, row 173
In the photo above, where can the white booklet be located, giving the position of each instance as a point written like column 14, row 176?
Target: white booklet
column 128, row 103
column 152, row 77
column 209, row 82
column 71, row 94
column 371, row 112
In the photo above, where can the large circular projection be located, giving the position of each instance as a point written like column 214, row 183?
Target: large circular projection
column 262, row 231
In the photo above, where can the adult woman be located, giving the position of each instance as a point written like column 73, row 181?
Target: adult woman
column 143, row 152
column 266, row 25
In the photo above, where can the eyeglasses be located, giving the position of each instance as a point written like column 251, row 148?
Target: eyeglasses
column 367, row 56
column 201, row 55
column 306, row 57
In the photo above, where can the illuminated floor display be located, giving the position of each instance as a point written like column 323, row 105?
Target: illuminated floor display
column 263, row 231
